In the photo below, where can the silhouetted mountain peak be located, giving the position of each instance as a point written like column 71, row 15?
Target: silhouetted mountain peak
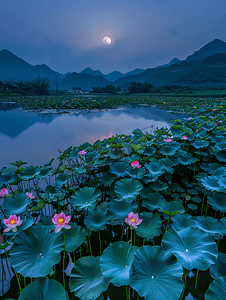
column 213, row 47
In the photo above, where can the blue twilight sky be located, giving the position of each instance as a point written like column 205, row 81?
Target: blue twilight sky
column 67, row 35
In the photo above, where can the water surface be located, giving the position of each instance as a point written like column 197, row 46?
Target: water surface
column 34, row 137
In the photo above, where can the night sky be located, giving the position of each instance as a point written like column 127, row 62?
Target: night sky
column 68, row 35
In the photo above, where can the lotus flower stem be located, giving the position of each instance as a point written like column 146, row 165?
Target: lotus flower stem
column 64, row 259
column 134, row 237
column 196, row 278
column 80, row 248
column 222, row 216
column 218, row 241
column 143, row 241
column 99, row 240
column 185, row 278
column 74, row 256
column 14, row 271
column 131, row 237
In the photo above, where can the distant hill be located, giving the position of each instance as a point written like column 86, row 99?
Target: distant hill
column 173, row 61
column 213, row 47
column 205, row 66
column 110, row 77
column 210, row 70
column 85, row 81
column 134, row 72
column 14, row 68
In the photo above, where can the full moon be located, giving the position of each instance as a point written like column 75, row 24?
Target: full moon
column 106, row 40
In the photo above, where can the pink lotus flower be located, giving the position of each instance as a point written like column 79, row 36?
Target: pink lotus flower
column 12, row 223
column 214, row 109
column 133, row 220
column 184, row 137
column 58, row 149
column 135, row 164
column 190, row 118
column 108, row 146
column 212, row 117
column 82, row 152
column 61, row 221
column 168, row 140
column 220, row 121
column 3, row 192
column 30, row 195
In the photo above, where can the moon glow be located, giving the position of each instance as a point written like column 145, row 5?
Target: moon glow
column 106, row 40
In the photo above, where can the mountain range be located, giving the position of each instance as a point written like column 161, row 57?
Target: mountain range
column 205, row 66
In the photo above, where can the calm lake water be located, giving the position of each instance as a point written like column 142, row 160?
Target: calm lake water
column 34, row 137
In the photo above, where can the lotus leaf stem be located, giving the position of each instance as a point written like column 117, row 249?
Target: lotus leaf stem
column 167, row 224
column 14, row 271
column 185, row 278
column 64, row 259
column 122, row 231
column 206, row 209
column 89, row 244
column 24, row 281
column 74, row 256
column 196, row 278
column 203, row 201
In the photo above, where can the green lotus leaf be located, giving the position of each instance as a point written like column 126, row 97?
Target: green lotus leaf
column 96, row 219
column 86, row 280
column 74, row 237
column 127, row 189
column 193, row 248
column 119, row 168
column 220, row 171
column 192, row 206
column 196, row 199
column 62, row 178
column 116, row 153
column 156, row 169
column 223, row 224
column 207, row 126
column 155, row 274
column 137, row 131
column 168, row 165
column 182, row 221
column 222, row 181
column 219, row 268
column 120, row 209
column 135, row 172
column 211, row 183
column 4, row 286
column 80, row 170
column 18, row 163
column 193, row 192
column 86, row 198
column 159, row 186
column 29, row 172
column 220, row 146
column 153, row 200
column 217, row 289
column 221, row 156
column 200, row 144
column 116, row 261
column 149, row 151
column 185, row 160
column 39, row 206
column 43, row 172
column 208, row 224
column 43, row 288
column 47, row 221
column 7, row 178
column 48, row 163
column 36, row 250
column 107, row 180
column 16, row 205
column 170, row 149
column 171, row 208
column 150, row 226
column 217, row 138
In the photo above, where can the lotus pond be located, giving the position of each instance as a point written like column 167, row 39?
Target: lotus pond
column 138, row 216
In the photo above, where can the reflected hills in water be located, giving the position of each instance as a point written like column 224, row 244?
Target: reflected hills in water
column 14, row 120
